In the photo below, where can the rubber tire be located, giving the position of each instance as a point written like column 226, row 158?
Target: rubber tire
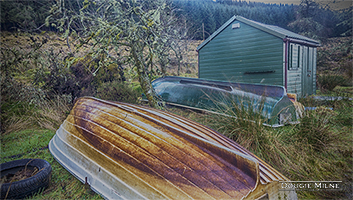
column 29, row 186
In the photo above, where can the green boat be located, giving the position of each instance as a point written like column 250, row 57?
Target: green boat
column 268, row 101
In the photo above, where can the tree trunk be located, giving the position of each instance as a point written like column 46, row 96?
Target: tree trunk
column 147, row 89
column 144, row 79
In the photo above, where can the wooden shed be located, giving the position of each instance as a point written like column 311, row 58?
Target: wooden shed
column 246, row 51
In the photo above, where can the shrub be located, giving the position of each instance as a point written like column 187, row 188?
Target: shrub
column 328, row 82
column 348, row 71
column 25, row 100
column 58, row 79
column 82, row 77
column 117, row 91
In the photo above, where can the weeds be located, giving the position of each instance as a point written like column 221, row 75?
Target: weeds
column 52, row 113
column 37, row 89
column 316, row 149
column 315, row 128
column 344, row 117
column 240, row 125
column 328, row 82
column 48, row 114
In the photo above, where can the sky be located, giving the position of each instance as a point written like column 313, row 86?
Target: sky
column 334, row 4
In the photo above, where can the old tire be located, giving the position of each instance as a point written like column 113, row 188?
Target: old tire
column 29, row 186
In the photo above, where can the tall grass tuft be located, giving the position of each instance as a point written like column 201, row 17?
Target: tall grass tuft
column 319, row 148
column 242, row 119
column 46, row 114
column 344, row 109
column 51, row 113
column 315, row 128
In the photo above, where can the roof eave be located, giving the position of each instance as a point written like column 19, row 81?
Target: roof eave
column 310, row 42
column 251, row 23
column 216, row 33
column 304, row 42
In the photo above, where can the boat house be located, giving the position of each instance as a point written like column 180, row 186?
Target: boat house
column 246, row 51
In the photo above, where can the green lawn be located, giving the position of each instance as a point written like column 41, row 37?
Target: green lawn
column 34, row 144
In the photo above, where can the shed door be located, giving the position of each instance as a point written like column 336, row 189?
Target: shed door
column 308, row 71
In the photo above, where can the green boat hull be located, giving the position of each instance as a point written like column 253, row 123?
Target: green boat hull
column 267, row 101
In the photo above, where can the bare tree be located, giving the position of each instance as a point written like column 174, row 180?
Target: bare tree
column 179, row 43
column 132, row 32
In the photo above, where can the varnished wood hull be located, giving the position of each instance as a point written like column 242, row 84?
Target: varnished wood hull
column 126, row 151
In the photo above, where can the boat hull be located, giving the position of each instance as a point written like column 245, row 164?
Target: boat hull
column 126, row 151
column 229, row 98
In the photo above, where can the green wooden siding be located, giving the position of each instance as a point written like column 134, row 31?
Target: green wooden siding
column 244, row 54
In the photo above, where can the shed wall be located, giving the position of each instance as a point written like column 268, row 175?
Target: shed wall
column 244, row 54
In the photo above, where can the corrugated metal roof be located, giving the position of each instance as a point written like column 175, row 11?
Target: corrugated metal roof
column 271, row 29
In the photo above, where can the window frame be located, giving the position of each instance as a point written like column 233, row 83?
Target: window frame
column 294, row 60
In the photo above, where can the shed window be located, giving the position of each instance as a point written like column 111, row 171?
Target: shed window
column 293, row 57
column 298, row 59
column 308, row 61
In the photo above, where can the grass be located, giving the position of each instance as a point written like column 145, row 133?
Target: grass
column 319, row 148
column 341, row 91
column 33, row 143
column 47, row 114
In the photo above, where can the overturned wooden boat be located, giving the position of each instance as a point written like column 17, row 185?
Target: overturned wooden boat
column 126, row 151
column 270, row 101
